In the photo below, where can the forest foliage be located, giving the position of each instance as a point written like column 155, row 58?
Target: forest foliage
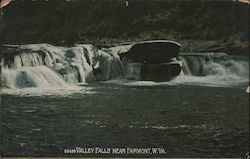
column 111, row 21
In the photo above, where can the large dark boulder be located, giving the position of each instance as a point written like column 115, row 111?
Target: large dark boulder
column 160, row 72
column 158, row 59
column 153, row 52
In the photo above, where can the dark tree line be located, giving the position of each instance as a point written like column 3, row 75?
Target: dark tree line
column 106, row 21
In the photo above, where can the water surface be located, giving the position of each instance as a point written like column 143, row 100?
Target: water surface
column 186, row 120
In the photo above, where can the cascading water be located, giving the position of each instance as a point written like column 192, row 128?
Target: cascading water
column 43, row 65
column 38, row 76
column 209, row 64
column 208, row 69
column 132, row 70
column 213, row 69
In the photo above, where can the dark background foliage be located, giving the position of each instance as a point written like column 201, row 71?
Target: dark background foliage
column 110, row 21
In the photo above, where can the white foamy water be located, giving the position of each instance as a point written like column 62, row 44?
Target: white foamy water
column 212, row 80
column 210, row 69
column 220, row 71
column 67, row 91
column 45, row 66
column 39, row 76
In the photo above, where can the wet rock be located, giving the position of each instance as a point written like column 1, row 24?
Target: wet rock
column 153, row 52
column 160, row 72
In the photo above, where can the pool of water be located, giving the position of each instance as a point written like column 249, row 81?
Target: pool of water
column 185, row 120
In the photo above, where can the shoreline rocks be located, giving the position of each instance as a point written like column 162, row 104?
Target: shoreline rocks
column 236, row 44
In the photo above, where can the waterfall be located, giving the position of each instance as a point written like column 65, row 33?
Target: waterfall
column 220, row 64
column 44, row 65
column 132, row 70
column 207, row 69
column 213, row 69
column 38, row 76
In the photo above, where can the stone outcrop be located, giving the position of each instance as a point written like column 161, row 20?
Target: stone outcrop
column 236, row 44
column 157, row 59
column 153, row 52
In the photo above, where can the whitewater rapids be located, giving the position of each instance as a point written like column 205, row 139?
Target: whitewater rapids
column 47, row 66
